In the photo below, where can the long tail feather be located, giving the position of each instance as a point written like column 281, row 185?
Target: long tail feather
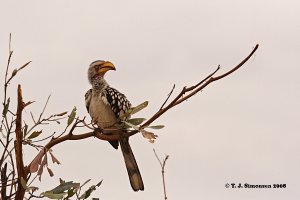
column 131, row 165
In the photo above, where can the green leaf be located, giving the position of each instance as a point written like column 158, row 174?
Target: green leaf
column 156, row 127
column 25, row 130
column 71, row 193
column 51, row 195
column 85, row 182
column 63, row 187
column 88, row 193
column 35, row 134
column 98, row 184
column 136, row 121
column 72, row 116
column 24, row 184
column 139, row 107
column 132, row 126
column 133, row 110
column 5, row 109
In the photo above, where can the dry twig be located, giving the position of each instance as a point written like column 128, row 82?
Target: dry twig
column 162, row 165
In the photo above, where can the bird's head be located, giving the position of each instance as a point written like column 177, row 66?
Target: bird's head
column 98, row 69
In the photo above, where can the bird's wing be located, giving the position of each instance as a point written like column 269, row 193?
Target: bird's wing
column 117, row 101
column 88, row 97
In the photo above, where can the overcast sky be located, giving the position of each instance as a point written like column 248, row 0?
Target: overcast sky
column 241, row 129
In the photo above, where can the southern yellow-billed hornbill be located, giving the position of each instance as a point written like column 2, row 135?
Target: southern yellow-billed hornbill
column 105, row 105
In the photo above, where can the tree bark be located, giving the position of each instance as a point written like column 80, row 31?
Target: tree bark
column 18, row 147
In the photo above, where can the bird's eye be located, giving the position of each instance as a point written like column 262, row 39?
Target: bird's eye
column 97, row 67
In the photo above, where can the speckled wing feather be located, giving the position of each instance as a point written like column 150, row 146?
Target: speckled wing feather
column 88, row 97
column 117, row 101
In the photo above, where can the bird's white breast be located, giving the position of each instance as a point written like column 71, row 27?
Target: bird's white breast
column 101, row 112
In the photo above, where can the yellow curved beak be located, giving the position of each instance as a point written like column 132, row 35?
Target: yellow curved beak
column 106, row 66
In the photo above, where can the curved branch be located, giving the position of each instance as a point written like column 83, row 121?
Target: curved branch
column 212, row 79
column 177, row 100
column 198, row 87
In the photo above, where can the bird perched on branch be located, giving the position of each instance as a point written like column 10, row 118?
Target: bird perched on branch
column 105, row 105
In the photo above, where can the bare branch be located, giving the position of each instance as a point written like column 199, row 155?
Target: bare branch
column 4, row 180
column 201, row 82
column 195, row 89
column 44, row 138
column 12, row 171
column 44, row 108
column 28, row 103
column 7, row 67
column 117, row 133
column 8, row 145
column 18, row 146
column 212, row 79
column 162, row 165
column 6, row 79
column 8, row 140
column 15, row 71
column 32, row 118
column 9, row 43
column 40, row 121
column 167, row 97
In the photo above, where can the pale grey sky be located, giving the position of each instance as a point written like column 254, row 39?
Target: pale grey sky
column 242, row 129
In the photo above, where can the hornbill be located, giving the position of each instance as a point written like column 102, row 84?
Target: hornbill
column 105, row 106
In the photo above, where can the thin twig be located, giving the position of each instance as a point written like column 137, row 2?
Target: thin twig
column 15, row 71
column 201, row 82
column 177, row 100
column 8, row 140
column 7, row 66
column 44, row 108
column 33, row 179
column 5, row 150
column 13, row 171
column 32, row 118
column 9, row 43
column 44, row 121
column 162, row 165
column 43, row 138
column 87, row 125
column 167, row 97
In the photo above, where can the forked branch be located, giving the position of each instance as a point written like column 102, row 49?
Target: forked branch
column 186, row 93
column 162, row 165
